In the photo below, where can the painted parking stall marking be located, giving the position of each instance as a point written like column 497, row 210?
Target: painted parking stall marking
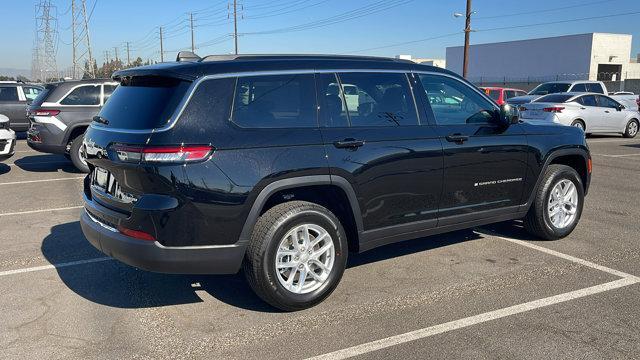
column 626, row 280
column 40, row 211
column 41, row 181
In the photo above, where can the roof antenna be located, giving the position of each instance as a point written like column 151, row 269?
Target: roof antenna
column 187, row 56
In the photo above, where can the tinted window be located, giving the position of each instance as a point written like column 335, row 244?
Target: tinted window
column 108, row 90
column 144, row 102
column 455, row 103
column 31, row 92
column 83, row 95
column 508, row 94
column 333, row 110
column 554, row 98
column 607, row 102
column 520, row 93
column 595, row 88
column 550, row 88
column 494, row 94
column 379, row 99
column 579, row 88
column 8, row 93
column 588, row 100
column 279, row 101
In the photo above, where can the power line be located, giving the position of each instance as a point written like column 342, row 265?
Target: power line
column 543, row 10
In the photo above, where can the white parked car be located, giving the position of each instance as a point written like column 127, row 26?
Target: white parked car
column 7, row 139
column 594, row 113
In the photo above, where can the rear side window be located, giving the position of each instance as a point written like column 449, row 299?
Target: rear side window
column 588, row 100
column 31, row 92
column 595, row 88
column 108, row 90
column 276, row 101
column 494, row 94
column 8, row 93
column 144, row 102
column 83, row 95
column 378, row 99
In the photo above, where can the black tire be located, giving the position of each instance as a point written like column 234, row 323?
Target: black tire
column 259, row 263
column 629, row 132
column 537, row 221
column 74, row 154
column 579, row 124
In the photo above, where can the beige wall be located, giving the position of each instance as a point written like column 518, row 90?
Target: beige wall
column 610, row 49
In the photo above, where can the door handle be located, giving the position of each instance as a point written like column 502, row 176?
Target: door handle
column 583, row 108
column 607, row 111
column 457, row 138
column 348, row 143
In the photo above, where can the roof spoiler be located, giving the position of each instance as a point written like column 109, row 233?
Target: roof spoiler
column 187, row 56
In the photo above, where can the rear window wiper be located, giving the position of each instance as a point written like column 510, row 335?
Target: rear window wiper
column 101, row 120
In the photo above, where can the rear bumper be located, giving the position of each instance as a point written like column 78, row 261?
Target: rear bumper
column 152, row 256
column 42, row 138
column 7, row 144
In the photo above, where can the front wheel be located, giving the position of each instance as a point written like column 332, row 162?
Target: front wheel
column 297, row 255
column 632, row 129
column 557, row 205
column 76, row 154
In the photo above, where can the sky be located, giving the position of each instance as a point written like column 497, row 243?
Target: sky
column 423, row 28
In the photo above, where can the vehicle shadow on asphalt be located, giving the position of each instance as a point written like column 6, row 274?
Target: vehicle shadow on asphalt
column 635, row 146
column 115, row 284
column 4, row 168
column 46, row 163
column 513, row 229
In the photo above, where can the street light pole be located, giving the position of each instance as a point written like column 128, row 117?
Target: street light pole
column 467, row 30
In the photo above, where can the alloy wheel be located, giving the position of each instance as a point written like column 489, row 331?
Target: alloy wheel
column 562, row 206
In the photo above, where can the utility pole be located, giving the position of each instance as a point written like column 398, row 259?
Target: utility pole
column 115, row 51
column 128, row 56
column 235, row 24
column 467, row 30
column 161, row 48
column 74, row 39
column 87, row 39
column 47, row 39
column 193, row 44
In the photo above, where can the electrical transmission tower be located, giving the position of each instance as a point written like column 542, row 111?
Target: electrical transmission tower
column 46, row 40
column 81, row 41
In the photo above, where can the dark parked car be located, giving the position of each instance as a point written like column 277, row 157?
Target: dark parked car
column 14, row 98
column 258, row 162
column 62, row 112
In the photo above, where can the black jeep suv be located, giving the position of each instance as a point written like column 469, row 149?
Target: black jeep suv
column 266, row 163
column 62, row 112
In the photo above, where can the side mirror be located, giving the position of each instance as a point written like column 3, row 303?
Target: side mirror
column 508, row 115
column 621, row 107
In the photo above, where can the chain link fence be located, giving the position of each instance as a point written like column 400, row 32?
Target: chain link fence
column 611, row 79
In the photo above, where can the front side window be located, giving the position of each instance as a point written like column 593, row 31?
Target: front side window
column 588, row 100
column 607, row 102
column 83, row 95
column 275, row 101
column 595, row 88
column 455, row 103
column 508, row 94
column 8, row 93
column 31, row 93
column 378, row 99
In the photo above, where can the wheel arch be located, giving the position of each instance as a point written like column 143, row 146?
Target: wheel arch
column 75, row 130
column 333, row 192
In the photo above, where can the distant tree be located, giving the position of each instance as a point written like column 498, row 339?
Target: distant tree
column 6, row 78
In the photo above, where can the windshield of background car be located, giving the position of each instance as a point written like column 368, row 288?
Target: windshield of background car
column 144, row 102
column 550, row 88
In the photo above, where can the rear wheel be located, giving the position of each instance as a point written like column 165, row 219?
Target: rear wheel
column 297, row 255
column 557, row 205
column 632, row 129
column 76, row 155
column 579, row 124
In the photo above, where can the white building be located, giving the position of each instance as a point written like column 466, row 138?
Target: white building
column 594, row 56
column 441, row 63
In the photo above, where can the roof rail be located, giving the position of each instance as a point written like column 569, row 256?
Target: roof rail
column 297, row 56
column 187, row 56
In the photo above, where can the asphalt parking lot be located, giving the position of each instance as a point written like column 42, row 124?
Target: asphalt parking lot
column 491, row 292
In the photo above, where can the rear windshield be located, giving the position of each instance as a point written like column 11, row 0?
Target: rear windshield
column 554, row 98
column 143, row 102
column 42, row 96
column 550, row 88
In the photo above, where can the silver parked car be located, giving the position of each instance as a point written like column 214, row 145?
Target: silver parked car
column 594, row 113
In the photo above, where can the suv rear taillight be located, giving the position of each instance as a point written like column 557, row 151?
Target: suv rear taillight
column 45, row 112
column 554, row 109
column 162, row 154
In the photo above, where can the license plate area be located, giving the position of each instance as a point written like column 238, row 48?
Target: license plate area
column 106, row 185
column 101, row 179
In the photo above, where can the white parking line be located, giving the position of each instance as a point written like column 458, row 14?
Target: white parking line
column 617, row 156
column 39, row 211
column 39, row 181
column 472, row 320
column 53, row 266
column 610, row 140
column 627, row 279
